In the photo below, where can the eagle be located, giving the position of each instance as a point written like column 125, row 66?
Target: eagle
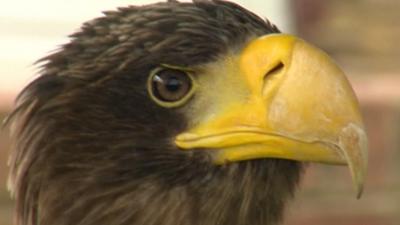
column 178, row 113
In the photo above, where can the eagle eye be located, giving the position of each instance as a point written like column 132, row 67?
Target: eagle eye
column 170, row 87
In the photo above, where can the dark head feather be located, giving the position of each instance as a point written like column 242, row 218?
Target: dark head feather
column 92, row 148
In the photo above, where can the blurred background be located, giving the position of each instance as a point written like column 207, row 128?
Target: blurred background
column 362, row 35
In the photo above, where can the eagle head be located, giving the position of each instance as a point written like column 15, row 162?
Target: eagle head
column 178, row 113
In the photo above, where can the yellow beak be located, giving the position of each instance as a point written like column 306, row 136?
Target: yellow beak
column 294, row 103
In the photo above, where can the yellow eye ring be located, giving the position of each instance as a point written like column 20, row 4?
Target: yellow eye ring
column 170, row 86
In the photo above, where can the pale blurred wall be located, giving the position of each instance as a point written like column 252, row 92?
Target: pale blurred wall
column 31, row 29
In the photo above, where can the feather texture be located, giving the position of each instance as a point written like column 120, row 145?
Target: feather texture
column 91, row 148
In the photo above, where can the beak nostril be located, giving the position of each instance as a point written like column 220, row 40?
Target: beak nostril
column 275, row 70
column 270, row 76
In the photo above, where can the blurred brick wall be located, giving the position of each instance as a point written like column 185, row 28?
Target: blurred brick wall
column 326, row 196
column 5, row 201
column 363, row 37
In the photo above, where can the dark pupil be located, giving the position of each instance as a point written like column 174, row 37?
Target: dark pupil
column 172, row 84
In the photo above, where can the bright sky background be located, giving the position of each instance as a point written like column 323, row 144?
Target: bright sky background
column 30, row 30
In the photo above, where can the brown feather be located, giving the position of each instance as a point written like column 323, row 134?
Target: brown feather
column 92, row 148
